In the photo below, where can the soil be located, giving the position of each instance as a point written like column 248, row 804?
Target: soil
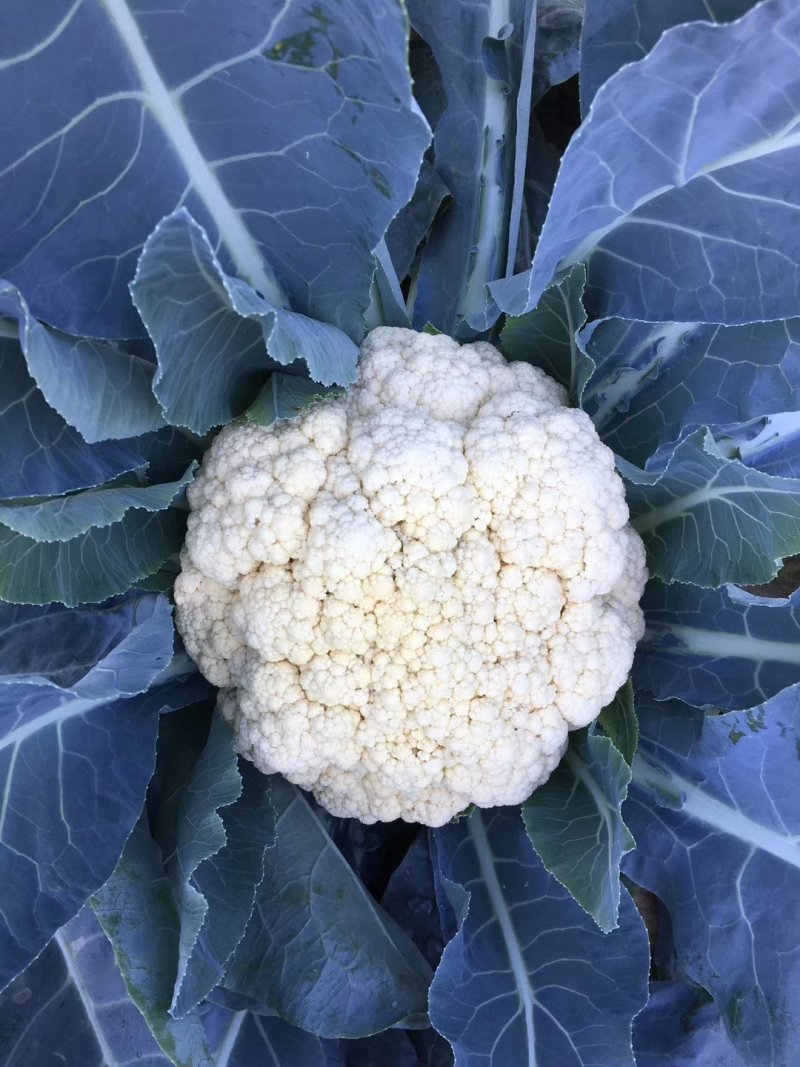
column 785, row 581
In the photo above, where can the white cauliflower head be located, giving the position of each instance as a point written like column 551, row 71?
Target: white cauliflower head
column 412, row 592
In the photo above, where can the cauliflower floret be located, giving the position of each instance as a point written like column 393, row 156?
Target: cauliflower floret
column 413, row 591
column 203, row 615
column 250, row 504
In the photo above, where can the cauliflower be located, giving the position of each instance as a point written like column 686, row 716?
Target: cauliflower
column 412, row 592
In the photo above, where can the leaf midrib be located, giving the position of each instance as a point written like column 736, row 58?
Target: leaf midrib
column 166, row 109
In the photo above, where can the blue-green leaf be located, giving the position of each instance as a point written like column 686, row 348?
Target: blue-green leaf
column 283, row 397
column 71, row 1007
column 410, row 899
column 681, row 1027
column 213, row 332
column 67, row 517
column 318, row 951
column 722, row 648
column 616, row 32
column 287, row 129
column 558, row 36
column 708, row 520
column 387, row 304
column 215, row 783
column 40, row 454
column 618, row 721
column 410, row 228
column 529, row 978
column 775, row 447
column 653, row 380
column 79, row 704
column 480, row 146
column 548, row 335
column 575, row 823
column 141, row 531
column 680, row 214
column 226, row 821
column 713, row 806
column 169, row 452
column 101, row 390
column 136, row 912
column 243, row 1039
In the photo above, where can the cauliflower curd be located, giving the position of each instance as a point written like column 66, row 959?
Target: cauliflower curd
column 411, row 593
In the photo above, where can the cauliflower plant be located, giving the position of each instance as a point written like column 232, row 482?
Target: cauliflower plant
column 411, row 593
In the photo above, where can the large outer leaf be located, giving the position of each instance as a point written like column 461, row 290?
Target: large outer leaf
column 40, row 454
column 287, row 130
column 653, row 380
column 98, row 388
column 75, row 757
column 318, row 951
column 721, row 648
column 210, row 330
column 679, row 190
column 716, row 819
column 575, row 823
column 616, row 32
column 480, row 144
column 529, row 979
column 90, row 546
column 70, row 1007
column 710, row 520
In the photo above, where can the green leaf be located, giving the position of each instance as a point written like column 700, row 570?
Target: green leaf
column 67, row 517
column 575, row 824
column 70, row 1008
column 387, row 305
column 40, row 454
column 284, row 396
column 215, row 784
column 87, row 569
column 547, row 336
column 707, row 520
column 226, row 821
column 528, row 980
column 162, row 580
column 412, row 224
column 97, row 387
column 319, row 951
column 618, row 721
column 213, row 333
column 136, row 912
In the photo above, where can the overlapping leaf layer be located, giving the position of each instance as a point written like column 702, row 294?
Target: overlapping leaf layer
column 203, row 207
